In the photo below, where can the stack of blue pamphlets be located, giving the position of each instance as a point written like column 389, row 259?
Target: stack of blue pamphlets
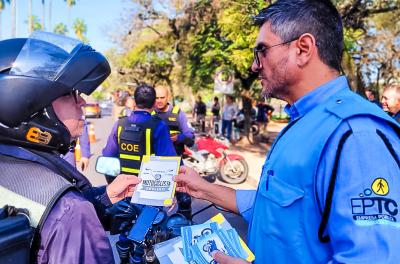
column 198, row 242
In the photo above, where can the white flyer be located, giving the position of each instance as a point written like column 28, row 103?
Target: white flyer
column 157, row 187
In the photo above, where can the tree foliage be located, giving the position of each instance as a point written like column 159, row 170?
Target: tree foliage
column 80, row 29
column 183, row 43
column 61, row 29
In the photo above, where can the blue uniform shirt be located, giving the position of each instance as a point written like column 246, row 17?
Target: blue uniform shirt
column 162, row 143
column 365, row 165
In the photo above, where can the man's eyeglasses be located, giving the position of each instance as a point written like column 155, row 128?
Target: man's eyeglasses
column 261, row 48
column 75, row 94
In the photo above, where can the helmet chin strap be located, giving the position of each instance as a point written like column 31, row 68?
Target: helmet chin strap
column 64, row 140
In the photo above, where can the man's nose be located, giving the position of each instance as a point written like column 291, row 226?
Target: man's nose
column 254, row 67
column 81, row 101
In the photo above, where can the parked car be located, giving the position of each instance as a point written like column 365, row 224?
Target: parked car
column 106, row 107
column 92, row 110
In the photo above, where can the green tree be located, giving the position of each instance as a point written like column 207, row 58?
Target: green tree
column 80, row 29
column 36, row 24
column 359, row 18
column 191, row 40
column 60, row 28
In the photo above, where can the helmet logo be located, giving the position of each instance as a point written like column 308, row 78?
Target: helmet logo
column 38, row 136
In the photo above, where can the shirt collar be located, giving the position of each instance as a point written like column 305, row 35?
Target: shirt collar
column 168, row 109
column 315, row 97
column 141, row 112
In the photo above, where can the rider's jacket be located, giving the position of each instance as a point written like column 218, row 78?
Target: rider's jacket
column 62, row 206
column 135, row 140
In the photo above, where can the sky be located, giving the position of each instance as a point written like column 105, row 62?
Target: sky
column 102, row 18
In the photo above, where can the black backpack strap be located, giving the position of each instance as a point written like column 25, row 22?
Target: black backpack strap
column 331, row 189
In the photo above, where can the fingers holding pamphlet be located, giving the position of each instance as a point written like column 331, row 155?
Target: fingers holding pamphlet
column 157, row 187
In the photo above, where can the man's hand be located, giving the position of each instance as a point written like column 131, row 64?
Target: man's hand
column 123, row 186
column 174, row 137
column 190, row 182
column 84, row 163
column 221, row 258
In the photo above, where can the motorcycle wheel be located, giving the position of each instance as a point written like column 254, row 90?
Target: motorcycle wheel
column 236, row 175
column 255, row 129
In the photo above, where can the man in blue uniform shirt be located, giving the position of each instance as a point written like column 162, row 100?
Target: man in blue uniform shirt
column 328, row 191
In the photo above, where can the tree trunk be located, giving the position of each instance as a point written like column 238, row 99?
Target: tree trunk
column 30, row 18
column 50, row 13
column 43, row 15
column 0, row 25
column 247, row 101
column 172, row 90
column 13, row 18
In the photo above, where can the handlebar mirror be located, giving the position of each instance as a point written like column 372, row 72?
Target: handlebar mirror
column 108, row 165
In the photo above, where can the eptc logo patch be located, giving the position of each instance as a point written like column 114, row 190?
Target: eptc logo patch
column 371, row 207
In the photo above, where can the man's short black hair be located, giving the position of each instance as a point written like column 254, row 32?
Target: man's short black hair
column 289, row 19
column 145, row 96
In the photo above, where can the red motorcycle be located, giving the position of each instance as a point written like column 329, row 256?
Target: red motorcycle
column 209, row 158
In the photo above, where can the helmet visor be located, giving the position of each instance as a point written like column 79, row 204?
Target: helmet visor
column 44, row 55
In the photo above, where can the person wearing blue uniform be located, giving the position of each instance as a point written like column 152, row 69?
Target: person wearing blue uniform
column 328, row 191
column 181, row 135
column 159, row 143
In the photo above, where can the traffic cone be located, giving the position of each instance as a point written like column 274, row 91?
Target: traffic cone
column 92, row 136
column 78, row 153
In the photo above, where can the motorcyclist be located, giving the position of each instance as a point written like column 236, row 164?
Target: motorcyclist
column 41, row 79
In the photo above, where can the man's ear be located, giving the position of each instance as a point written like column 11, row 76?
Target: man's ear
column 306, row 49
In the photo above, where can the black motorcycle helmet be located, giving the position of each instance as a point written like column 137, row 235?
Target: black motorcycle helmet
column 33, row 73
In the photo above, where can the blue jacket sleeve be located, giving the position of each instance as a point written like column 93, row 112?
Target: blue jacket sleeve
column 163, row 145
column 244, row 203
column 363, row 223
column 187, row 134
